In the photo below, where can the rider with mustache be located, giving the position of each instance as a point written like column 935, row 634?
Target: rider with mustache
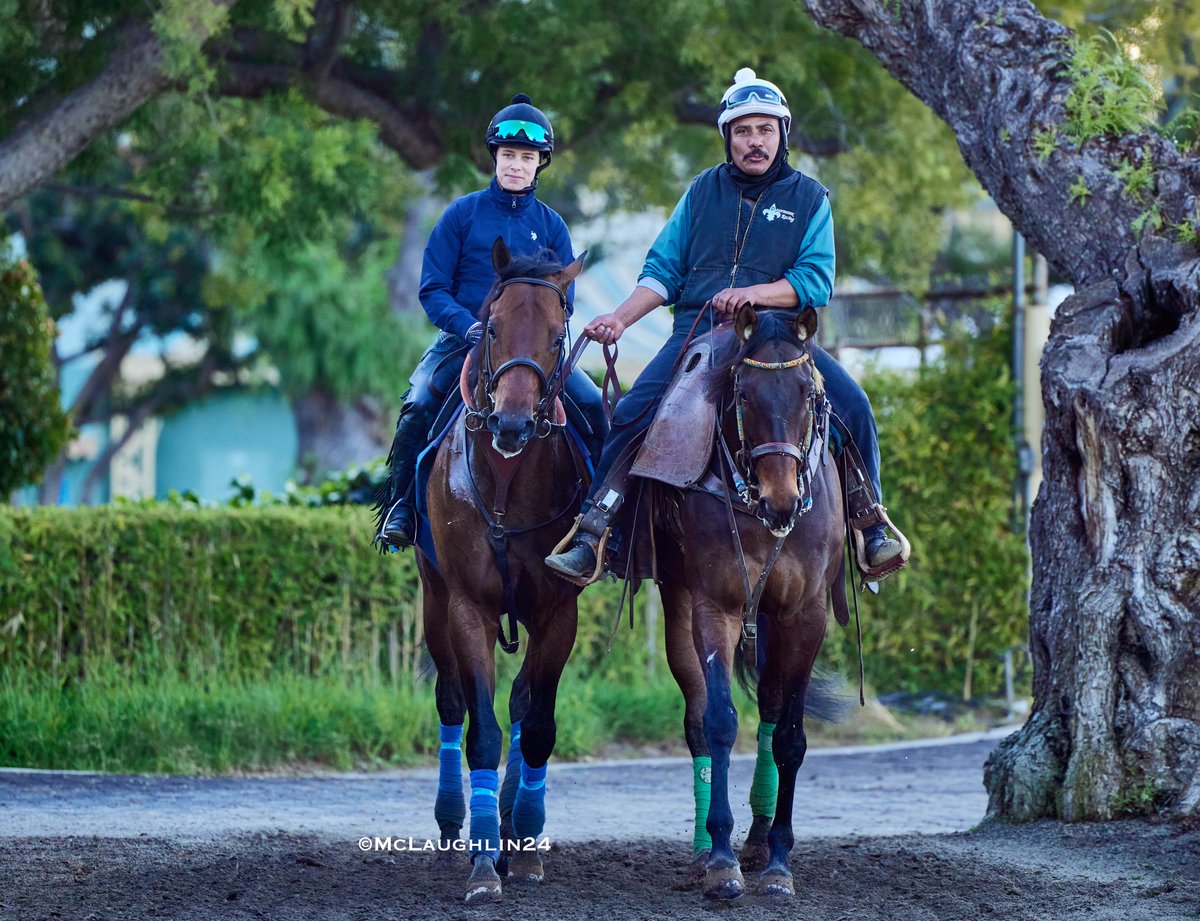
column 456, row 277
column 752, row 230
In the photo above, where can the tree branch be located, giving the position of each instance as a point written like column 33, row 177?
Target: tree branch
column 325, row 51
column 48, row 142
column 117, row 346
column 993, row 71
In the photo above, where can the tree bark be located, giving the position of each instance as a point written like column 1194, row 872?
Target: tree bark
column 1115, row 533
column 51, row 140
column 332, row 435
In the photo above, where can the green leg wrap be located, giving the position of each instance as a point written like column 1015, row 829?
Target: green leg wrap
column 702, row 778
column 765, row 788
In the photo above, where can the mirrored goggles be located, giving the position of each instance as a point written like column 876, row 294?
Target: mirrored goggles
column 512, row 127
column 754, row 93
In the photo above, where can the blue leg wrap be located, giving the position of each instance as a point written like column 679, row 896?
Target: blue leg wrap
column 450, row 807
column 485, row 814
column 512, row 773
column 529, row 811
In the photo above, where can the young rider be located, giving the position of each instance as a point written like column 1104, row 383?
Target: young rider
column 457, row 275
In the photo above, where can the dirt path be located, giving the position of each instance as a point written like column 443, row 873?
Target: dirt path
column 881, row 833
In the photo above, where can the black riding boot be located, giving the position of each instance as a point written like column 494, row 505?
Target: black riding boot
column 397, row 513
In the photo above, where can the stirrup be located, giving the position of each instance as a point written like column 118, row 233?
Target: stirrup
column 878, row 515
column 601, row 546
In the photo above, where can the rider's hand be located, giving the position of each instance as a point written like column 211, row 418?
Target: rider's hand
column 605, row 329
column 475, row 333
column 729, row 301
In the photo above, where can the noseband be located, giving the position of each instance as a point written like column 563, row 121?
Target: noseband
column 550, row 387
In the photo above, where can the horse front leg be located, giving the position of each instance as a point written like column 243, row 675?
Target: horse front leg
column 716, row 637
column 764, row 789
column 685, row 668
column 475, row 640
column 450, row 807
column 518, row 706
column 796, row 655
column 550, row 646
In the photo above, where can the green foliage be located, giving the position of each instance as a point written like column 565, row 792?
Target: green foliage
column 1045, row 142
column 33, row 427
column 1140, row 799
column 1150, row 218
column 948, row 471
column 1111, row 93
column 1138, row 179
column 1079, row 191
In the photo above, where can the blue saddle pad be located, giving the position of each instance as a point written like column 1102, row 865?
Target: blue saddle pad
column 425, row 466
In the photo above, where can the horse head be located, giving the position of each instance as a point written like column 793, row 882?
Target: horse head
column 774, row 396
column 524, row 347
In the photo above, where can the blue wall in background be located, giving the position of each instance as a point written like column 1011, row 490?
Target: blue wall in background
column 206, row 445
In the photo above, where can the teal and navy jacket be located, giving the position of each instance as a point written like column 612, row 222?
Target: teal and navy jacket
column 457, row 271
column 790, row 236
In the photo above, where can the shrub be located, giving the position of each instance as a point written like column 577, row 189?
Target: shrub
column 33, row 427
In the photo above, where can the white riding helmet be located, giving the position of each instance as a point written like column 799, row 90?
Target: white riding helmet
column 751, row 95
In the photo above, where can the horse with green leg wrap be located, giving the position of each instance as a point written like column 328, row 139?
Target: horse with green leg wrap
column 741, row 597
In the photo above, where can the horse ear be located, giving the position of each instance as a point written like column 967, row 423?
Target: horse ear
column 501, row 257
column 806, row 324
column 571, row 272
column 745, row 323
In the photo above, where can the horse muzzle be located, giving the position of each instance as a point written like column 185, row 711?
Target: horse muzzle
column 779, row 518
column 510, row 432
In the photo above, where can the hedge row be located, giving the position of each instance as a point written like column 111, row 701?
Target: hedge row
column 243, row 591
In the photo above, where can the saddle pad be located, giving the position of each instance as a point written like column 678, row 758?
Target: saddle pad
column 678, row 445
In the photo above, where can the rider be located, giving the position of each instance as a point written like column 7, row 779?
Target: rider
column 457, row 275
column 752, row 230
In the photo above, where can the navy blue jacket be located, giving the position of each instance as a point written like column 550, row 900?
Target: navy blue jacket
column 457, row 272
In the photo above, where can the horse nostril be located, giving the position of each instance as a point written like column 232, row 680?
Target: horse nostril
column 493, row 424
column 528, row 429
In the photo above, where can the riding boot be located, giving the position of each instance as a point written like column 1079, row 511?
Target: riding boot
column 397, row 514
column 878, row 555
column 582, row 560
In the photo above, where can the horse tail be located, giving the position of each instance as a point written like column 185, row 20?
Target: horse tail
column 750, row 658
column 826, row 699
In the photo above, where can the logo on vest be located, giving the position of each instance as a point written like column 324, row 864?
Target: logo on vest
column 775, row 213
column 533, row 234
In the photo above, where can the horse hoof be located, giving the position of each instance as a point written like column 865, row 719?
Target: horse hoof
column 484, row 884
column 754, row 856
column 526, row 867
column 724, row 884
column 776, row 883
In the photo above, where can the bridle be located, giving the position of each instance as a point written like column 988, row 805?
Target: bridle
column 742, row 465
column 545, row 417
column 742, row 470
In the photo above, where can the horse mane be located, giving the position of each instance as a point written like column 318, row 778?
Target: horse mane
column 773, row 326
column 541, row 264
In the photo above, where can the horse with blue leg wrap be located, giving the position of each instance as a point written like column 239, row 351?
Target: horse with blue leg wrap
column 502, row 484
column 747, row 560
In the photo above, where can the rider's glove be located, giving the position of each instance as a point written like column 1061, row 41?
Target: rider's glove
column 475, row 333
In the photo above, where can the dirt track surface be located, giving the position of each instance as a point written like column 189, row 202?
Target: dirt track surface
column 881, row 833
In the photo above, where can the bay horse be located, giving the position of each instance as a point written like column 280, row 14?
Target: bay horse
column 503, row 483
column 778, row 514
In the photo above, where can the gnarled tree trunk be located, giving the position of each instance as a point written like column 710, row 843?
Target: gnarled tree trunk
column 1115, row 615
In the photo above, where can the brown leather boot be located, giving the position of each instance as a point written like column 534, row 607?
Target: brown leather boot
column 579, row 557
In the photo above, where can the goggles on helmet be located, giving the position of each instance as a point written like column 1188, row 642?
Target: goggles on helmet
column 754, row 93
column 511, row 128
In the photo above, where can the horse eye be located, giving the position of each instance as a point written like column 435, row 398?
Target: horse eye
column 491, row 331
